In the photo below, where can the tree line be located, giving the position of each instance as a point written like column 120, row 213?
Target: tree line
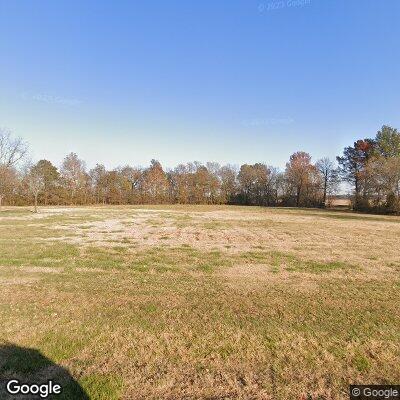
column 371, row 166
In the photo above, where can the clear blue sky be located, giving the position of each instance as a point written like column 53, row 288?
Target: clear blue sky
column 229, row 81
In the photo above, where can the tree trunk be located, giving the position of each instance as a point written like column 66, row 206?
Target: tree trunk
column 36, row 198
column 357, row 199
column 1, row 201
column 298, row 196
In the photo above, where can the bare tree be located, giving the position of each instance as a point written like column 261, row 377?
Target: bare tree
column 329, row 174
column 36, row 183
column 8, row 182
column 74, row 175
column 227, row 175
column 97, row 175
column 12, row 150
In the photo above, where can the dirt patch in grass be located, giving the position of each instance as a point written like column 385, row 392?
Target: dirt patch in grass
column 18, row 280
column 253, row 276
column 46, row 270
column 315, row 235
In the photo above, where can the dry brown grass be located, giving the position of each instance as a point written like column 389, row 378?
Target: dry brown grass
column 201, row 302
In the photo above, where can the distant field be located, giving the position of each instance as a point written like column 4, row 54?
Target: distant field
column 343, row 203
column 199, row 302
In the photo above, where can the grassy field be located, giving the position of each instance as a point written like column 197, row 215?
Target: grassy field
column 198, row 302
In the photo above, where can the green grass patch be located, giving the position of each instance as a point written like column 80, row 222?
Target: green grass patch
column 102, row 386
column 290, row 262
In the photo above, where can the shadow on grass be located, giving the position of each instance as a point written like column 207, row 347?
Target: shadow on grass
column 29, row 366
